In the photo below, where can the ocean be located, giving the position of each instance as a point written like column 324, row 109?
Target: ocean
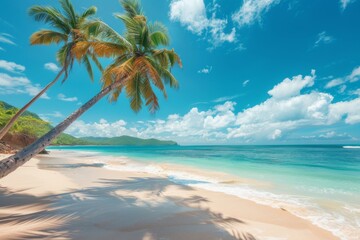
column 320, row 183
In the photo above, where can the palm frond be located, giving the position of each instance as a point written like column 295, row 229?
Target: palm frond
column 150, row 96
column 89, row 12
column 50, row 15
column 69, row 11
column 99, row 29
column 119, row 70
column 96, row 61
column 115, row 94
column 133, row 92
column 86, row 62
column 131, row 7
column 143, row 66
column 108, row 49
column 169, row 78
column 133, row 28
column 80, row 49
column 47, row 37
column 158, row 34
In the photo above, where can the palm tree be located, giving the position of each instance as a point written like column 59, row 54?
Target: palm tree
column 139, row 65
column 68, row 30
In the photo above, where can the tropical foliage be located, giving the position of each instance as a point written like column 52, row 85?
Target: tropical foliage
column 32, row 125
column 67, row 29
column 139, row 62
column 139, row 65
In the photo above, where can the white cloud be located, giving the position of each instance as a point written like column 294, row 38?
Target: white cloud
column 323, row 38
column 286, row 114
column 52, row 67
column 55, row 114
column 354, row 76
column 62, row 97
column 193, row 15
column 342, row 89
column 100, row 129
column 286, row 110
column 348, row 109
column 345, row 3
column 292, row 87
column 355, row 92
column 330, row 135
column 11, row 66
column 252, row 11
column 19, row 85
column 6, row 38
column 226, row 98
column 335, row 82
column 190, row 13
column 276, row 134
column 205, row 70
column 245, row 83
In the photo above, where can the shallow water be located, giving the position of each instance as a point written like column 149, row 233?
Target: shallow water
column 318, row 183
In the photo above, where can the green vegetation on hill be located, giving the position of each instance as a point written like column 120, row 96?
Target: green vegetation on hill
column 127, row 141
column 32, row 125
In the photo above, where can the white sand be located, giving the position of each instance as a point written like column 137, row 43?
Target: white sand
column 65, row 196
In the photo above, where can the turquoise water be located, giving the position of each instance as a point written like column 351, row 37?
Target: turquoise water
column 319, row 183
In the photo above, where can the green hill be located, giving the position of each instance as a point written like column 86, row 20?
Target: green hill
column 32, row 126
column 127, row 141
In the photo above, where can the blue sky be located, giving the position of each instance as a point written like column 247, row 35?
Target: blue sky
column 255, row 72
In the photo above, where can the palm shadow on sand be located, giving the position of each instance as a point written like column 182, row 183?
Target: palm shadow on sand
column 103, row 212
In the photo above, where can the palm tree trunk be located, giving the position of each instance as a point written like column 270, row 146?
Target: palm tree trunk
column 11, row 163
column 12, row 121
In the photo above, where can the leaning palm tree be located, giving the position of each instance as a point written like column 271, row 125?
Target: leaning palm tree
column 68, row 29
column 139, row 65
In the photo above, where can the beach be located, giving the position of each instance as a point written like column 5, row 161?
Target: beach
column 71, row 195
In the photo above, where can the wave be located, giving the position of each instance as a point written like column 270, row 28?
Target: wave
column 352, row 147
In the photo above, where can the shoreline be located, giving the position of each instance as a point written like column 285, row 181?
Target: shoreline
column 67, row 183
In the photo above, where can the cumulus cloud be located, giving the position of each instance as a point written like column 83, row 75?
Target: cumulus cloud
column 323, row 38
column 252, row 11
column 19, row 85
column 287, row 109
column 102, row 128
column 292, row 87
column 350, row 110
column 62, row 97
column 52, row 67
column 11, row 66
column 206, row 70
column 193, row 14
